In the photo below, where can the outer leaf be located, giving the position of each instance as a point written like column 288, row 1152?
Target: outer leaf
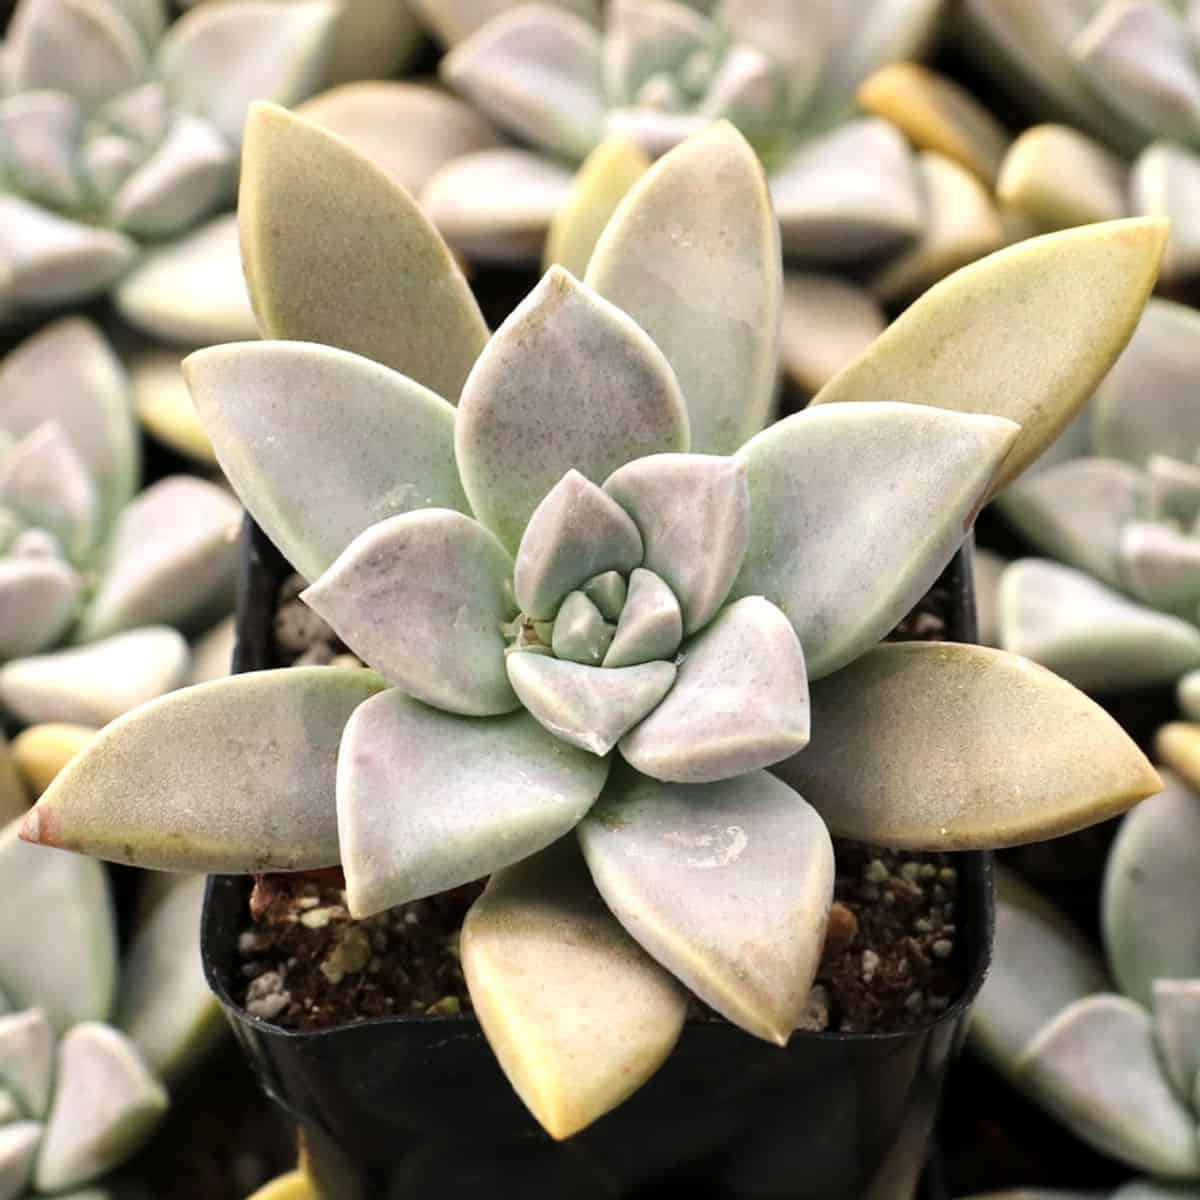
column 692, row 254
column 1150, row 931
column 259, row 751
column 424, row 598
column 827, row 323
column 428, row 801
column 1097, row 1070
column 26, row 1058
column 919, row 745
column 362, row 443
column 1161, row 565
column 1177, row 1032
column 740, row 701
column 38, row 598
column 568, row 381
column 683, row 867
column 216, row 60
column 693, row 511
column 577, row 1013
column 898, row 482
column 311, row 210
column 1063, row 306
column 451, row 21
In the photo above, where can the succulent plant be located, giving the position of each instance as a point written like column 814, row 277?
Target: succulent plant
column 1139, row 1189
column 1115, row 1061
column 88, row 1045
column 1115, row 504
column 117, row 130
column 598, row 593
column 82, row 555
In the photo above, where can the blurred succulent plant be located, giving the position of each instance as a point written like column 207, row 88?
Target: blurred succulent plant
column 1116, row 502
column 1115, row 1062
column 640, row 573
column 88, row 1045
column 1138, row 1189
column 115, row 129
column 82, row 556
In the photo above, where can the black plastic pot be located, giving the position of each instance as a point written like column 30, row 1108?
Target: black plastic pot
column 421, row 1108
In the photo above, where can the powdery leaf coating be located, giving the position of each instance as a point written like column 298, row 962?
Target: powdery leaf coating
column 1096, row 1068
column 310, row 212
column 27, row 1058
column 452, row 21
column 740, row 701
column 577, row 1013
column 568, row 381
column 1063, row 306
column 417, row 815
column 248, row 788
column 650, row 625
column 689, row 869
column 38, row 598
column 707, row 287
column 19, row 1141
column 1161, row 566
column 581, row 633
column 897, row 482
column 1177, row 1031
column 889, row 765
column 423, row 598
column 363, row 442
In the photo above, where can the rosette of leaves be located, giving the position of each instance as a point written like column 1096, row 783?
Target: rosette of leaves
column 1111, row 1050
column 117, row 130
column 602, row 600
column 85, row 558
column 1115, row 507
column 87, row 1044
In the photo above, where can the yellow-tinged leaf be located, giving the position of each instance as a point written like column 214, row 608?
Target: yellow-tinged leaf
column 164, row 405
column 41, row 751
column 13, row 800
column 1178, row 745
column 295, row 1185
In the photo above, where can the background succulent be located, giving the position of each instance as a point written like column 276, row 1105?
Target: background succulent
column 607, row 442
column 117, row 129
column 83, row 556
column 1115, row 1061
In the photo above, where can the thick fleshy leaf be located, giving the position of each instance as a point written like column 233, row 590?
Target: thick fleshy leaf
column 819, row 483
column 581, row 634
column 165, row 406
column 937, row 114
column 577, row 1013
column 1036, row 972
column 363, row 442
column 693, row 511
column 588, row 707
column 1146, row 403
column 1165, row 182
column 311, row 210
column 576, row 532
column 1093, row 637
column 1150, row 924
column 192, row 290
column 452, row 21
column 219, row 58
column 1188, row 695
column 888, row 762
column 96, row 683
column 650, row 625
column 1174, row 490
column 827, row 323
column 212, row 655
column 496, row 206
column 373, row 41
column 1161, row 566
column 848, row 195
column 989, row 568
column 605, row 177
column 1147, row 1189
column 424, row 598
column 259, row 753
column 61, row 904
column 1096, row 1068
column 1065, row 303
column 608, row 592
column 683, row 867
column 38, row 598
column 568, row 381
column 1077, row 510
column 13, row 797
column 428, row 801
column 410, row 130
column 105, row 1106
column 26, row 1059
column 1177, row 1032
column 961, row 224
column 165, row 1006
column 41, row 751
column 295, row 1185
column 1058, row 177
column 740, row 701
column 173, row 560
column 18, row 1149
column 537, row 72
column 40, row 131
column 692, row 255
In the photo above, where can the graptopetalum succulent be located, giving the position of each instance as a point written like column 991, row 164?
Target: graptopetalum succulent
column 115, row 129
column 597, row 593
column 87, row 1044
column 1117, row 1062
column 83, row 556
column 1116, row 502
